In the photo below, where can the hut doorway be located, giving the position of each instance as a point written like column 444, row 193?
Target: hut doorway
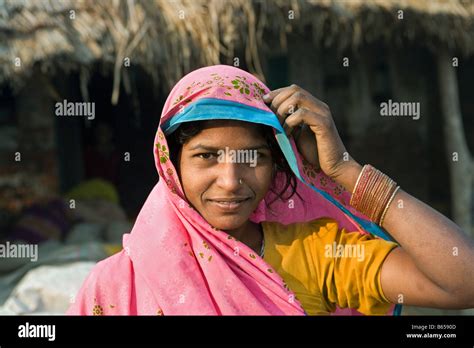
column 116, row 145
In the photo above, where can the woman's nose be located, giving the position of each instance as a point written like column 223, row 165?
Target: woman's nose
column 229, row 176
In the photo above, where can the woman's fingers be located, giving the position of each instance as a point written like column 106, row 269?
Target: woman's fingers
column 296, row 113
column 285, row 101
column 271, row 96
column 277, row 97
column 305, row 116
column 289, row 106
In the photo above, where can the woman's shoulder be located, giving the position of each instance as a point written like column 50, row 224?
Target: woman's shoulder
column 107, row 279
column 118, row 262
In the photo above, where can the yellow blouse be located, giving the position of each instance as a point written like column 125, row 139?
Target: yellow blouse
column 326, row 266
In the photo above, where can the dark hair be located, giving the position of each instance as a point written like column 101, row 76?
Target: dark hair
column 188, row 130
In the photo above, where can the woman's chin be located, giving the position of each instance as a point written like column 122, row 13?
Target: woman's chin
column 229, row 223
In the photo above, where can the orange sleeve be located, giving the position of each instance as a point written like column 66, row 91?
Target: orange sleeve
column 349, row 267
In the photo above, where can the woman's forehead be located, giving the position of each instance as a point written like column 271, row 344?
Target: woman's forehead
column 229, row 132
column 228, row 127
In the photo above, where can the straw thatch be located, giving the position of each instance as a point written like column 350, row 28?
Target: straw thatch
column 170, row 37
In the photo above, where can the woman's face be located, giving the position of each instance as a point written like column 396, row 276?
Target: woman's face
column 210, row 171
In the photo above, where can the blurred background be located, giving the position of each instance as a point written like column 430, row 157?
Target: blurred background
column 72, row 185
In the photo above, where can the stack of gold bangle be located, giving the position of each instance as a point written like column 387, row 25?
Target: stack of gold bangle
column 373, row 193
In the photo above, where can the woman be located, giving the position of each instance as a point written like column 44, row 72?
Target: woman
column 241, row 223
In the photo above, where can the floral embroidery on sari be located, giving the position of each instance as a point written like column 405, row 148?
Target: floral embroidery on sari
column 97, row 309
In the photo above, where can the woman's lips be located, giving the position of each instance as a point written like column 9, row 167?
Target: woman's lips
column 229, row 205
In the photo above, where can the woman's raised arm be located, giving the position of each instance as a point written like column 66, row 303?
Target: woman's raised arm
column 435, row 265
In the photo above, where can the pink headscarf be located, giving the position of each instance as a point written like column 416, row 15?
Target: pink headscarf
column 174, row 262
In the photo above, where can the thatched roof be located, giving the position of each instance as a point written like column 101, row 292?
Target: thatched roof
column 170, row 37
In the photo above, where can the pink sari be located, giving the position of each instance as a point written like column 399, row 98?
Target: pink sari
column 173, row 261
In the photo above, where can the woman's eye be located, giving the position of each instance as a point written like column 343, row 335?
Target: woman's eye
column 210, row 155
column 262, row 156
column 206, row 155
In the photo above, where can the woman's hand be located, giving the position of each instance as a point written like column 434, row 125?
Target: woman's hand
column 318, row 141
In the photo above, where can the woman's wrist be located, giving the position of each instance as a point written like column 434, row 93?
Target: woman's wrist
column 349, row 175
column 372, row 193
